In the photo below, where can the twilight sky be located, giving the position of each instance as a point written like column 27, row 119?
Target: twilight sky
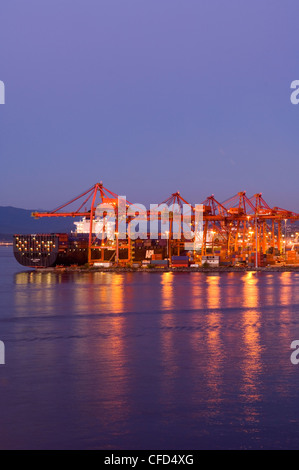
column 149, row 96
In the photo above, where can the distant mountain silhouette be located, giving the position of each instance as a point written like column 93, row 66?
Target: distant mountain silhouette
column 19, row 221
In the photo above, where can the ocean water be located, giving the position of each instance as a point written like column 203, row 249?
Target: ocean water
column 148, row 360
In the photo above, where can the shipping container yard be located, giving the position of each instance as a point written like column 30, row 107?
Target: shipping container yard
column 240, row 231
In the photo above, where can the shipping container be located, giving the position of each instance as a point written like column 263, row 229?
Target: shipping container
column 159, row 262
column 157, row 257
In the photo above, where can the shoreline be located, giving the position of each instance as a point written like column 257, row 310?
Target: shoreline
column 121, row 270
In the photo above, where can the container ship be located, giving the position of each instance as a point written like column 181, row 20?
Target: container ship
column 61, row 249
column 49, row 250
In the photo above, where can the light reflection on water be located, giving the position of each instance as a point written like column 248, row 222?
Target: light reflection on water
column 124, row 361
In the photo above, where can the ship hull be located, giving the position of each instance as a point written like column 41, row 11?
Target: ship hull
column 50, row 250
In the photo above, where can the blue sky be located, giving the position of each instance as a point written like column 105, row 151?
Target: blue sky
column 149, row 97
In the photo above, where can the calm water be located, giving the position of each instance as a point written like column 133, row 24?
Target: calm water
column 148, row 361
